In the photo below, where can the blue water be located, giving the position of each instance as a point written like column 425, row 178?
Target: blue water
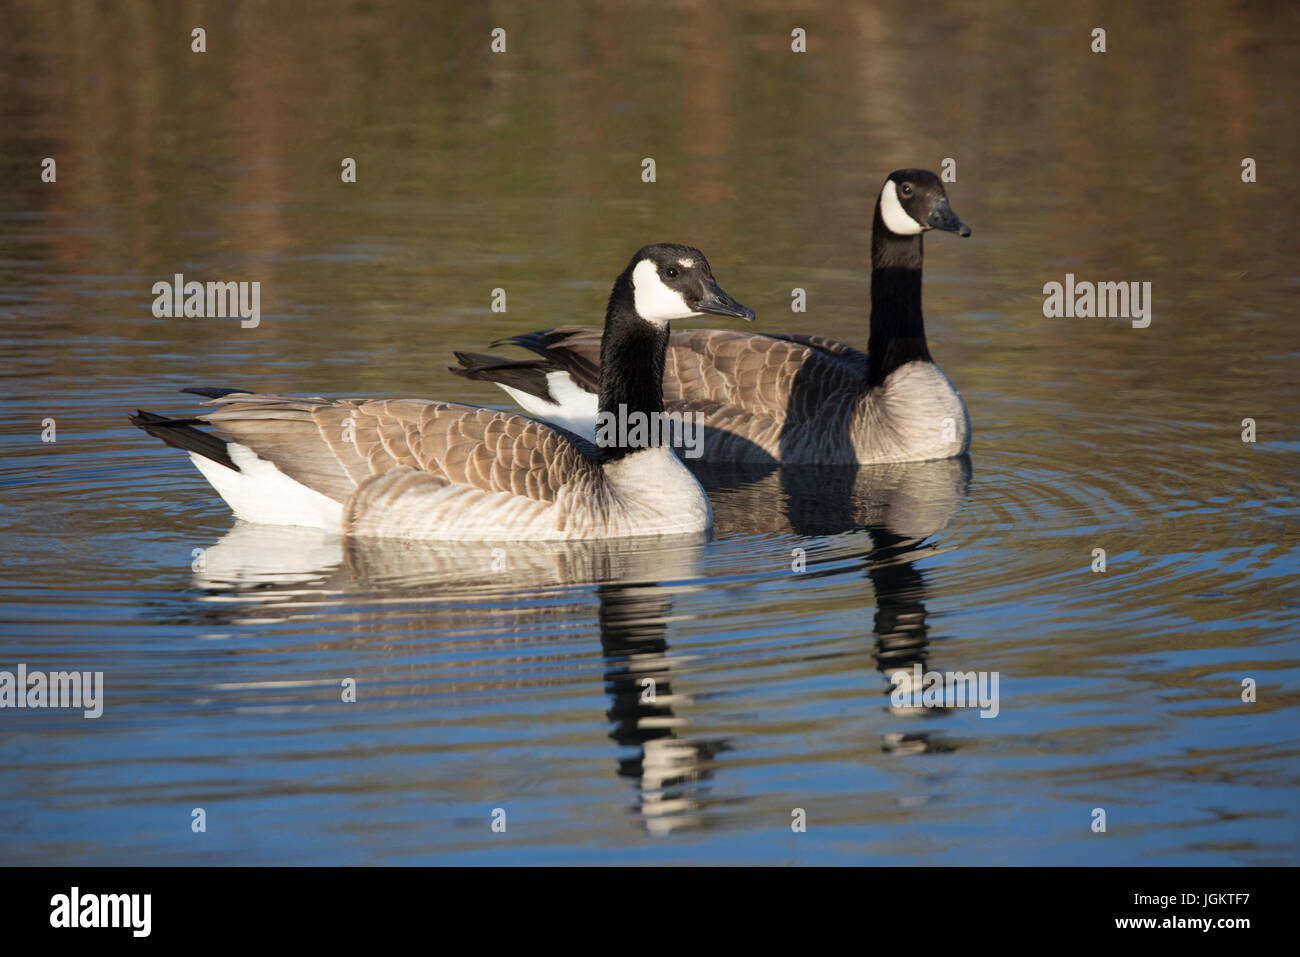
column 518, row 681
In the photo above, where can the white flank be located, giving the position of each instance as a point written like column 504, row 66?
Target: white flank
column 260, row 492
column 574, row 409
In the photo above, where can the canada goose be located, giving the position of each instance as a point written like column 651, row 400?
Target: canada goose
column 419, row 468
column 796, row 399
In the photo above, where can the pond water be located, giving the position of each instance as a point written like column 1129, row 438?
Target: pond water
column 670, row 701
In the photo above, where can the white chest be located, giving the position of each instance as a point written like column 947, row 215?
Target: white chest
column 657, row 495
column 915, row 416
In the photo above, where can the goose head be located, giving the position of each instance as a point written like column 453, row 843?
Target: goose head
column 667, row 281
column 913, row 201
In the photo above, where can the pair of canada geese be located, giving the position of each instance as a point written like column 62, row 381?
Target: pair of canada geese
column 421, row 468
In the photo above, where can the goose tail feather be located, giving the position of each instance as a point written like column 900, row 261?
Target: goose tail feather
column 182, row 434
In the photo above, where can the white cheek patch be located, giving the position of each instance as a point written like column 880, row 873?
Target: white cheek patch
column 655, row 302
column 892, row 212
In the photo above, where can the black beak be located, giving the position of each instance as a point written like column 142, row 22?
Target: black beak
column 942, row 217
column 719, row 303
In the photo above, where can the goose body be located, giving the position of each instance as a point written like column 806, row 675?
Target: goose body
column 795, row 399
column 419, row 468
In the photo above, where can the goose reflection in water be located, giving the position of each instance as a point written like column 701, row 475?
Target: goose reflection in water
column 479, row 595
column 899, row 506
column 516, row 587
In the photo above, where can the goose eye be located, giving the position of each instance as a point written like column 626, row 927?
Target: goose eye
column 906, row 189
column 671, row 272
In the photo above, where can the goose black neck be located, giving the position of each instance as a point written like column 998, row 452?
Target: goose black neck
column 632, row 353
column 897, row 328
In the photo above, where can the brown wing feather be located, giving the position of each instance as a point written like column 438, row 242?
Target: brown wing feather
column 782, row 376
column 336, row 445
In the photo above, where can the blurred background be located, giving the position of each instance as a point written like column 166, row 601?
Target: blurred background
column 522, row 171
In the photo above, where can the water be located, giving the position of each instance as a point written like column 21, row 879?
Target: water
column 524, row 688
